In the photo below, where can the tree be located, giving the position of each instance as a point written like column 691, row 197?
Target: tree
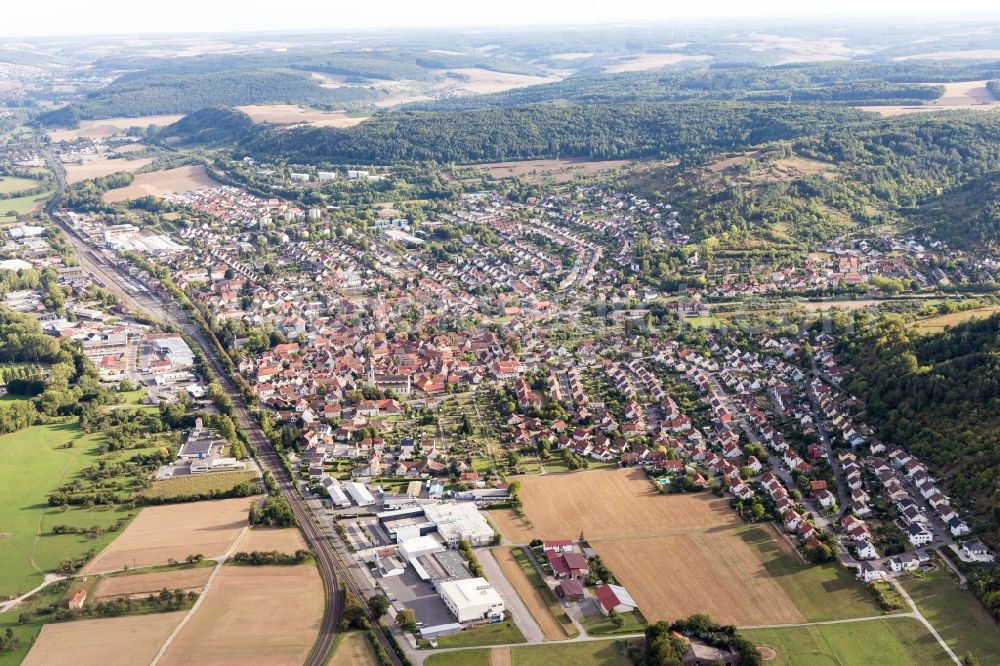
column 617, row 621
column 378, row 604
column 407, row 620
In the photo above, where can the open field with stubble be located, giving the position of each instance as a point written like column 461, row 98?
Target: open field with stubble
column 120, row 641
column 151, row 583
column 160, row 183
column 93, row 129
column 292, row 114
column 103, row 166
column 283, row 540
column 682, row 554
column 266, row 615
column 174, row 531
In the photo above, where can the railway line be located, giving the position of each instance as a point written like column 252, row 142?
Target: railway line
column 333, row 568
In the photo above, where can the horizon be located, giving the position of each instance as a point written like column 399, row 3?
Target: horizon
column 118, row 18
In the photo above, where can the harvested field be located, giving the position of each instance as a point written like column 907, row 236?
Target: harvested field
column 103, row 166
column 652, row 61
column 291, row 114
column 972, row 95
column 571, row 55
column 557, row 171
column 485, row 81
column 712, row 572
column 823, row 306
column 175, row 531
column 160, row 183
column 972, row 54
column 229, row 627
column 92, row 129
column 353, row 650
column 120, row 641
column 500, row 656
column 603, row 505
column 269, row 538
column 151, row 583
column 529, row 595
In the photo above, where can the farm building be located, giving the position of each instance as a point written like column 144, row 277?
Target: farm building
column 615, row 598
column 570, row 589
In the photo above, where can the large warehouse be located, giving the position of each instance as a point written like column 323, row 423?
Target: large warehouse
column 472, row 600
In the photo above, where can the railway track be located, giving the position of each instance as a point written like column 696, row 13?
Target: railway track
column 333, row 568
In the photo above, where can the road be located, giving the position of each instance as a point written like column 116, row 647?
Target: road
column 333, row 569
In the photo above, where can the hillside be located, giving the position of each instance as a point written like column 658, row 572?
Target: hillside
column 967, row 215
column 939, row 397
column 184, row 93
column 211, row 126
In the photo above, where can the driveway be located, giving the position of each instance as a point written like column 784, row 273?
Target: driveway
column 518, row 611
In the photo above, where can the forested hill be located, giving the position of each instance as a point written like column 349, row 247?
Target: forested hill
column 938, row 396
column 170, row 94
column 968, row 215
column 621, row 131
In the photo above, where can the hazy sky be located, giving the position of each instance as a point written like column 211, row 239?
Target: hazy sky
column 81, row 17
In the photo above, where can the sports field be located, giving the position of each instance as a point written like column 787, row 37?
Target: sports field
column 682, row 554
column 33, row 463
column 900, row 641
column 174, row 531
column 253, row 615
column 120, row 641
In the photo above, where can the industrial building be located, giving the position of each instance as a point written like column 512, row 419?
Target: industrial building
column 472, row 600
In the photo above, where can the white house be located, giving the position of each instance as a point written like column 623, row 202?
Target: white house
column 869, row 573
column 918, row 534
column 866, row 551
column 472, row 600
column 958, row 527
column 977, row 552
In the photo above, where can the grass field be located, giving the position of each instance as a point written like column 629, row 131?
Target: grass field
column 202, row 483
column 539, row 600
column 957, row 615
column 32, row 465
column 21, row 205
column 120, row 641
column 175, row 531
column 484, row 634
column 821, row 592
column 592, row 653
column 253, row 615
column 352, row 650
column 939, row 323
column 889, row 642
column 556, row 171
column 462, row 658
column 11, row 184
column 291, row 114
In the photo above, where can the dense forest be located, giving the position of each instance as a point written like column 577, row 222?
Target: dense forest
column 185, row 93
column 518, row 133
column 939, row 397
column 838, row 82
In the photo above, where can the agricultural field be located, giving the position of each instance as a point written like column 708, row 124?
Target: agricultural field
column 103, row 166
column 596, row 504
column 230, row 628
column 106, row 127
column 150, row 583
column 476, row 81
column 887, row 642
column 291, row 114
column 120, row 641
column 941, row 322
column 33, row 463
column 681, row 554
column 160, row 183
column 352, row 650
column 958, row 96
column 587, row 653
column 12, row 184
column 186, row 486
column 174, row 531
column 956, row 614
column 538, row 606
column 283, row 540
column 646, row 61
